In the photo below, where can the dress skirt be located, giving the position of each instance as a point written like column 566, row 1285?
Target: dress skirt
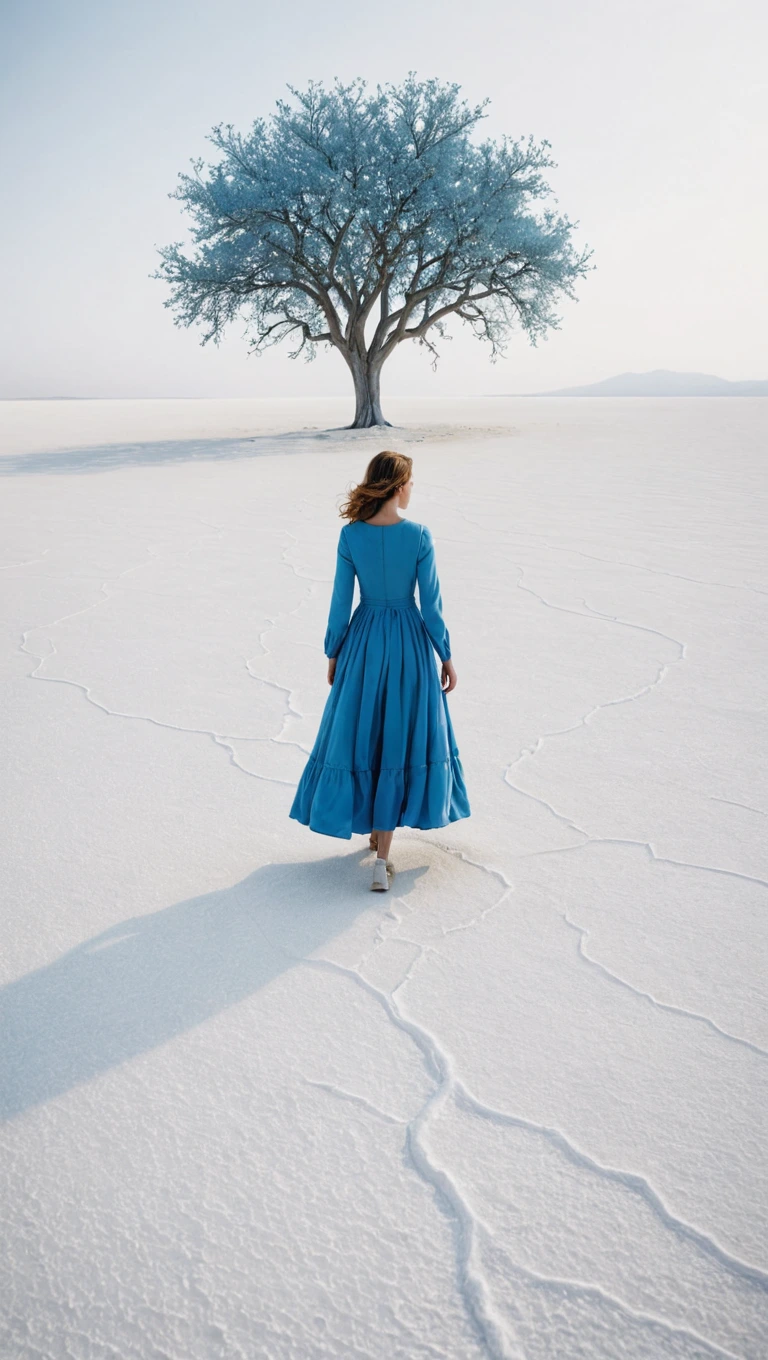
column 385, row 754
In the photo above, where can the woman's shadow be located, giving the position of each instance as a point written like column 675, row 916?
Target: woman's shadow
column 152, row 977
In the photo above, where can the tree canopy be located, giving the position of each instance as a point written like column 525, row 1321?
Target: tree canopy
column 361, row 220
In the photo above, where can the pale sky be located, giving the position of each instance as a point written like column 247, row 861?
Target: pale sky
column 657, row 115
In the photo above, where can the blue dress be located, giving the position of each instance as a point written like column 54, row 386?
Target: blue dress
column 385, row 754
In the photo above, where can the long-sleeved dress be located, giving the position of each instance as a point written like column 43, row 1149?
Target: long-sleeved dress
column 385, row 754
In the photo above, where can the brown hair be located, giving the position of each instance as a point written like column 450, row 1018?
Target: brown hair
column 384, row 475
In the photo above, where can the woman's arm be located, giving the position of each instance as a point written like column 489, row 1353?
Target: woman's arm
column 430, row 602
column 341, row 599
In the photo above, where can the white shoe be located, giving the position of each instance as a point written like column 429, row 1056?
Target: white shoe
column 380, row 876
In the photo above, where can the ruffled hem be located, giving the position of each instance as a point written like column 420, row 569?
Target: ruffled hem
column 340, row 802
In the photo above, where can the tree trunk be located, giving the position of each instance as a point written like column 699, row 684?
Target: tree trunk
column 367, row 380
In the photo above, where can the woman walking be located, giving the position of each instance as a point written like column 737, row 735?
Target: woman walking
column 385, row 754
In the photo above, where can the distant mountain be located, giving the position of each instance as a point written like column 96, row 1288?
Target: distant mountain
column 662, row 382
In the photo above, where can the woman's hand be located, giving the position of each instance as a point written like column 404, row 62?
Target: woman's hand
column 331, row 669
column 448, row 677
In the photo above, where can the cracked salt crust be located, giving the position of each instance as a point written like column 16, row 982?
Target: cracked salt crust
column 519, row 1109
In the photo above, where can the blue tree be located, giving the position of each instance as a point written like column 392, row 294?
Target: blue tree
column 361, row 220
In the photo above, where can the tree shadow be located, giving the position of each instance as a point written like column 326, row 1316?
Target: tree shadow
column 150, row 978
column 108, row 457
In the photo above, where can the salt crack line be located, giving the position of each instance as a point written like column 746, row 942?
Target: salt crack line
column 641, row 627
column 95, row 575
column 422, row 949
column 619, row 840
column 543, row 802
column 52, row 623
column 658, row 571
column 219, row 738
column 647, row 996
column 476, row 864
column 629, row 1180
column 273, row 625
column 10, row 565
column 157, row 722
column 493, row 1329
column 38, row 627
column 655, row 571
column 355, row 1100
column 611, row 618
column 592, row 1291
column 477, row 920
column 379, row 939
column 254, row 774
column 495, row 1335
column 290, row 712
column 454, row 850
column 319, row 580
column 577, row 552
column 646, row 845
column 469, row 1224
column 285, row 689
column 529, row 752
column 732, row 803
column 583, row 935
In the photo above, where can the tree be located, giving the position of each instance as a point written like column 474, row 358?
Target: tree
column 361, row 220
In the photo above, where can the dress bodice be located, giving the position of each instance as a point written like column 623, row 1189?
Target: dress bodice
column 389, row 562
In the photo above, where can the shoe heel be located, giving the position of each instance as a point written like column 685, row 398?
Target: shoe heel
column 380, row 881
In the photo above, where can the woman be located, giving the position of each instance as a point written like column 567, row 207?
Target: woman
column 385, row 753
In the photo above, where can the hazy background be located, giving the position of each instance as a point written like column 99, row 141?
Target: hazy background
column 656, row 114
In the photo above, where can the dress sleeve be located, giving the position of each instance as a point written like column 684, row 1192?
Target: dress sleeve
column 430, row 603
column 341, row 599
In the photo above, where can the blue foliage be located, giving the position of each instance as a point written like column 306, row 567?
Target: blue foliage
column 361, row 220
